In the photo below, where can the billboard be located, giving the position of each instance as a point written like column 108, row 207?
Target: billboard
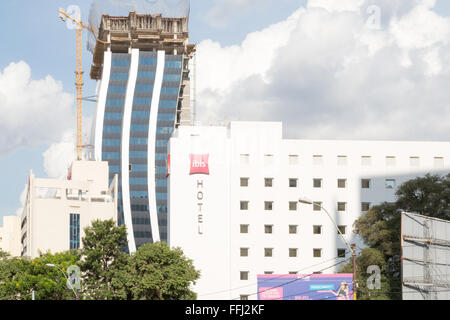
column 306, row 287
column 425, row 245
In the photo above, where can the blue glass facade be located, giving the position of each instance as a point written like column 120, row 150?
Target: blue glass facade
column 74, row 226
column 169, row 105
column 112, row 123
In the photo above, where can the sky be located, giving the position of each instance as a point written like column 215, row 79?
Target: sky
column 328, row 69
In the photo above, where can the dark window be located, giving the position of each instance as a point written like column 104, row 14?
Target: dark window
column 244, row 182
column 74, row 231
column 293, row 183
column 317, row 183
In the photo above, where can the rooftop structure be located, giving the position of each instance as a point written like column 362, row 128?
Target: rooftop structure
column 146, row 32
column 57, row 211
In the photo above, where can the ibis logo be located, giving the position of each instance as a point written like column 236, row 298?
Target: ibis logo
column 199, row 164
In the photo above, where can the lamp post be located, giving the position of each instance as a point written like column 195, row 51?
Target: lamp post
column 68, row 281
column 351, row 247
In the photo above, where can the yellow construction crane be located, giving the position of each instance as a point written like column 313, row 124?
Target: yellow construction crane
column 79, row 75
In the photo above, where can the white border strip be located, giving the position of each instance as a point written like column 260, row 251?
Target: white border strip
column 101, row 105
column 125, row 156
column 152, row 145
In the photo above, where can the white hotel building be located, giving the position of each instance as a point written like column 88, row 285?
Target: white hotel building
column 238, row 214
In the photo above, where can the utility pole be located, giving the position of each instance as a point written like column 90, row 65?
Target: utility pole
column 353, row 246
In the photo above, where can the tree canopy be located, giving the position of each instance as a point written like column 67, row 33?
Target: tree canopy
column 380, row 228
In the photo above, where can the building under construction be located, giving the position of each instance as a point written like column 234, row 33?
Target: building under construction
column 141, row 62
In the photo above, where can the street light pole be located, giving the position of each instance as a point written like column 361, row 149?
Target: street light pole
column 68, row 281
column 351, row 247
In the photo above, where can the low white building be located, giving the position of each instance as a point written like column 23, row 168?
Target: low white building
column 10, row 235
column 234, row 191
column 57, row 211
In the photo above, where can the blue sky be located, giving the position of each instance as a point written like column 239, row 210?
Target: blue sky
column 33, row 33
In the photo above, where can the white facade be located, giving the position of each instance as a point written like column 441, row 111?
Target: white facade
column 54, row 206
column 208, row 213
column 10, row 235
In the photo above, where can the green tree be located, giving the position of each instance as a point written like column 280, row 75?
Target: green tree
column 156, row 272
column 20, row 276
column 104, row 260
column 428, row 196
column 380, row 226
column 370, row 257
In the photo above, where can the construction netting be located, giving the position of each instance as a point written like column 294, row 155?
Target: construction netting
column 167, row 8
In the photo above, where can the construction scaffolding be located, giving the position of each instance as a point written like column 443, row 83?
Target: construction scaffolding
column 425, row 258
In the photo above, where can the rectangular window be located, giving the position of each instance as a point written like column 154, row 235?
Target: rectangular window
column 317, row 160
column 390, row 161
column 341, row 253
column 365, row 183
column 342, row 229
column 317, row 206
column 244, row 275
column 268, row 182
column 244, row 252
column 74, row 231
column 244, row 205
column 244, row 228
column 439, row 162
column 268, row 159
column 245, row 158
column 293, row 183
column 366, row 160
column 293, row 252
column 244, row 182
column 389, row 183
column 243, row 297
column 317, row 183
column 293, row 229
column 268, row 272
column 268, row 205
column 317, row 229
column 342, row 160
column 414, row 161
column 342, row 183
column 293, row 159
column 342, row 206
column 317, row 253
column 268, row 252
column 293, row 272
column 293, row 205
column 365, row 206
column 268, row 228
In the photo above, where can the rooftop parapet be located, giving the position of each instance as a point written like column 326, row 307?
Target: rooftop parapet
column 146, row 32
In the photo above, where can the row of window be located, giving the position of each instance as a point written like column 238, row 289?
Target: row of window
column 133, row 154
column 293, row 229
column 390, row 161
column 134, row 141
column 293, row 206
column 318, row 183
column 317, row 253
column 292, row 252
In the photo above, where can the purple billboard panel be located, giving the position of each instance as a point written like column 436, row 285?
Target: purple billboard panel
column 306, row 287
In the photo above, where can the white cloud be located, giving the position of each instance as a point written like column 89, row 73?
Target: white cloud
column 60, row 155
column 34, row 112
column 325, row 74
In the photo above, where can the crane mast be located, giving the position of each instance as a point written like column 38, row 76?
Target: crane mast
column 79, row 77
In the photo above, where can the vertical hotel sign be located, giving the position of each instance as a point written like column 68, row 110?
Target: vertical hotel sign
column 199, row 167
